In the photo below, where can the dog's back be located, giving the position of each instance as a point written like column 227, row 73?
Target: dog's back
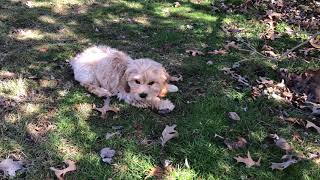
column 84, row 64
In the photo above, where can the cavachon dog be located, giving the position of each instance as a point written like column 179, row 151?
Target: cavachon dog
column 107, row 72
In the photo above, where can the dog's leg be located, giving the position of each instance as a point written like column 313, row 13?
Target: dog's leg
column 163, row 106
column 106, row 107
column 100, row 92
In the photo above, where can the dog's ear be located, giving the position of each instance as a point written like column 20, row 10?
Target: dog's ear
column 127, row 87
column 163, row 90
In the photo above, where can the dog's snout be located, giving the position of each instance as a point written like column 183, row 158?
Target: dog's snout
column 143, row 95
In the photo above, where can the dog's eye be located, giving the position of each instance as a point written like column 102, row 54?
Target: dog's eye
column 151, row 83
column 138, row 82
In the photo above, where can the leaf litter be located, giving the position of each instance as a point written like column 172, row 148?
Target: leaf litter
column 9, row 167
column 233, row 116
column 283, row 165
column 312, row 125
column 168, row 133
column 107, row 154
column 60, row 173
column 240, row 143
column 248, row 161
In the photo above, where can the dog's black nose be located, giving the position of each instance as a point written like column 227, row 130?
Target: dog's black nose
column 143, row 95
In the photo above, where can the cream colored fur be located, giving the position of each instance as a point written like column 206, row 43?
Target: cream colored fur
column 106, row 72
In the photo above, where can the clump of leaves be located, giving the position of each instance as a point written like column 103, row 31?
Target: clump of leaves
column 240, row 143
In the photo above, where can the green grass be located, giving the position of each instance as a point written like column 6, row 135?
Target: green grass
column 36, row 42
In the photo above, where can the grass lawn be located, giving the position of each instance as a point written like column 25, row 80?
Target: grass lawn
column 48, row 116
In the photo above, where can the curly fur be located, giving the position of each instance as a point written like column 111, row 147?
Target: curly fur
column 106, row 72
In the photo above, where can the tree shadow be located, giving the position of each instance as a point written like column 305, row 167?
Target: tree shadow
column 142, row 30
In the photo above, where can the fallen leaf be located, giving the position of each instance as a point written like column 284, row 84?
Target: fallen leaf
column 297, row 137
column 60, row 173
column 265, row 80
column 176, row 4
column 29, row 4
column 194, row 52
column 231, row 45
column 157, row 172
column 272, row 14
column 106, row 154
column 176, row 79
column 270, row 34
column 168, row 133
column 315, row 42
column 289, row 31
column 7, row 75
column 313, row 155
column 110, row 135
column 240, row 143
column 9, row 167
column 147, row 142
column 248, row 161
column 283, row 165
column 271, row 54
column 310, row 124
column 234, row 116
column 281, row 143
column 218, row 52
column 209, row 62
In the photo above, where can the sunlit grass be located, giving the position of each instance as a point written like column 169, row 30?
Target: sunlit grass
column 15, row 88
column 39, row 40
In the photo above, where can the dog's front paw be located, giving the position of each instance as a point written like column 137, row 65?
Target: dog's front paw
column 166, row 106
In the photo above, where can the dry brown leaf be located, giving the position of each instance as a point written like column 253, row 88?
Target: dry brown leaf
column 310, row 124
column 60, row 173
column 279, row 3
column 231, row 45
column 240, row 143
column 297, row 137
column 270, row 54
column 272, row 14
column 248, row 161
column 283, row 165
column 157, row 172
column 281, row 143
column 7, row 75
column 315, row 42
column 194, row 52
column 218, row 52
column 265, row 80
column 168, row 133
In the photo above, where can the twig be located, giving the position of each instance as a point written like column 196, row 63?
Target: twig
column 254, row 50
column 297, row 46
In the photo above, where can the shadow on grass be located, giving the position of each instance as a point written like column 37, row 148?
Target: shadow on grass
column 143, row 29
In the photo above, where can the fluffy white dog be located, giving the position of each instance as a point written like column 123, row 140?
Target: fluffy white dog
column 107, row 72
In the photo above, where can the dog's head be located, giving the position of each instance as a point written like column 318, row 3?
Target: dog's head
column 146, row 79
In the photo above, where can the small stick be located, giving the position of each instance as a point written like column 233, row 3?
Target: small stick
column 299, row 45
